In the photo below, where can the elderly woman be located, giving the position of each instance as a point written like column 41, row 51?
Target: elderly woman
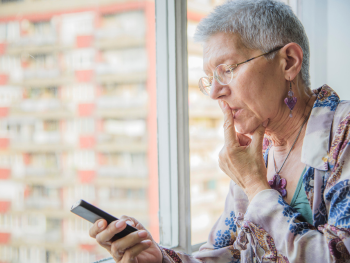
column 286, row 148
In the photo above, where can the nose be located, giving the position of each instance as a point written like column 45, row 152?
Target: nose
column 217, row 90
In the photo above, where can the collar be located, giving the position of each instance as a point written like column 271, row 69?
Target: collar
column 318, row 130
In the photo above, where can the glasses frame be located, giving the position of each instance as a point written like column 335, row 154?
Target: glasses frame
column 231, row 67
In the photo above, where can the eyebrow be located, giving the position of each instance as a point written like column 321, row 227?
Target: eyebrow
column 219, row 61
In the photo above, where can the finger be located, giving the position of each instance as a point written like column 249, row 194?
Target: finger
column 229, row 127
column 257, row 138
column 134, row 251
column 113, row 228
column 120, row 246
column 96, row 228
column 243, row 139
column 129, row 220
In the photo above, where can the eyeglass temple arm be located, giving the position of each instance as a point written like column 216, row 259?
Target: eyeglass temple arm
column 273, row 50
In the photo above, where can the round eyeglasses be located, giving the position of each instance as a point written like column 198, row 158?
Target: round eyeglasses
column 224, row 74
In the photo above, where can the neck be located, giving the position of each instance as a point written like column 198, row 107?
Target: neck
column 283, row 129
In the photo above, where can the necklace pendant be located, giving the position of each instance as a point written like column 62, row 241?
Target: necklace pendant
column 279, row 184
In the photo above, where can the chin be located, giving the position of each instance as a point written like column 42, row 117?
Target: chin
column 246, row 129
column 242, row 130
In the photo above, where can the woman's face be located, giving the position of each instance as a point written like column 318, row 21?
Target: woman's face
column 257, row 89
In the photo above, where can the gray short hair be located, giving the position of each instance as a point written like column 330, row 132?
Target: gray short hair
column 261, row 24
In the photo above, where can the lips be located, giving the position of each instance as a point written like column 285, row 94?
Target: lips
column 236, row 112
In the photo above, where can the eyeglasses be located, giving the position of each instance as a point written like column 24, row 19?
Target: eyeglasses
column 224, row 74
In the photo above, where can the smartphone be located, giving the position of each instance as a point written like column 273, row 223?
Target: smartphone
column 91, row 213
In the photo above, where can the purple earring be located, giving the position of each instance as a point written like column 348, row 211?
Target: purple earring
column 290, row 100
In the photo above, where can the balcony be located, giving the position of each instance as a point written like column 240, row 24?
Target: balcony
column 104, row 42
column 39, row 148
column 123, row 102
column 39, row 172
column 36, row 40
column 42, row 202
column 122, row 146
column 41, row 73
column 117, row 171
column 114, row 33
column 53, row 236
column 125, row 206
column 110, row 110
column 33, row 105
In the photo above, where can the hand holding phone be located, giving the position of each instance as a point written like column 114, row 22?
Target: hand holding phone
column 132, row 243
column 91, row 213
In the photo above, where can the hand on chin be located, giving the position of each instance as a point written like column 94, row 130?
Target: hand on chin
column 243, row 139
column 244, row 134
column 248, row 129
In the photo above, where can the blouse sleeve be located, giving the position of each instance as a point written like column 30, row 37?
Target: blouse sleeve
column 220, row 244
column 279, row 231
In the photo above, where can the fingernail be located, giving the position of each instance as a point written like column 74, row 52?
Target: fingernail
column 265, row 123
column 119, row 224
column 222, row 104
column 130, row 223
column 147, row 242
column 100, row 224
column 142, row 233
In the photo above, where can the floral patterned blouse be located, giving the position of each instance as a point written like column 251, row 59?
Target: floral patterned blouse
column 268, row 229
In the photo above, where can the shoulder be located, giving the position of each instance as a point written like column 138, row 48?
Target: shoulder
column 339, row 151
column 342, row 113
column 341, row 122
column 340, row 133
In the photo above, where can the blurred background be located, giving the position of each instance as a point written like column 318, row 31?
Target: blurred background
column 78, row 118
column 78, row 121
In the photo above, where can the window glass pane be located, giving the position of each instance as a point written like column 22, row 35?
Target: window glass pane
column 77, row 121
column 209, row 185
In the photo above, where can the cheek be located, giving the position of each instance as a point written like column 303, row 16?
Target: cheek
column 258, row 96
column 254, row 102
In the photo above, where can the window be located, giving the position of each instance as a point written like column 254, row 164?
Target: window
column 209, row 185
column 78, row 119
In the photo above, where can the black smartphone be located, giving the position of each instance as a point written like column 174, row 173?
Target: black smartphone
column 92, row 213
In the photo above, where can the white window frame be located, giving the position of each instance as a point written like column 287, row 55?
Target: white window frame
column 173, row 123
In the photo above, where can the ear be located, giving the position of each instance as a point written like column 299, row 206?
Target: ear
column 292, row 54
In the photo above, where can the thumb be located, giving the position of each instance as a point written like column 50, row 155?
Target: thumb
column 258, row 137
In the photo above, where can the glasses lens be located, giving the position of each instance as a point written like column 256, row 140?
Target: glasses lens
column 223, row 74
column 205, row 85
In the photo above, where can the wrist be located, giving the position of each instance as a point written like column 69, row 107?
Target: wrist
column 161, row 252
column 255, row 189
